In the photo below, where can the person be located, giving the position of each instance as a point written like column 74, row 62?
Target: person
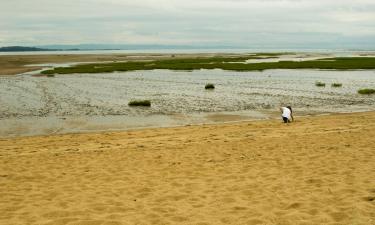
column 287, row 114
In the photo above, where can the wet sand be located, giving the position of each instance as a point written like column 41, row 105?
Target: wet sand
column 318, row 170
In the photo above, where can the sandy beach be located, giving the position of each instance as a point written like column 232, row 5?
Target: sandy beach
column 172, row 112
column 318, row 170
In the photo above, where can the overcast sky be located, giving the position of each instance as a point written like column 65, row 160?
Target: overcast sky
column 245, row 23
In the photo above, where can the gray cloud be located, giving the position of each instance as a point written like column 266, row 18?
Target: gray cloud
column 245, row 23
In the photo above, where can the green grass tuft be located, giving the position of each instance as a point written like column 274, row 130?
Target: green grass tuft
column 146, row 103
column 336, row 85
column 366, row 91
column 320, row 84
column 209, row 86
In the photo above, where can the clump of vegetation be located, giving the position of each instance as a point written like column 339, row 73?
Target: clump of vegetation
column 50, row 75
column 146, row 103
column 366, row 91
column 336, row 85
column 320, row 84
column 209, row 86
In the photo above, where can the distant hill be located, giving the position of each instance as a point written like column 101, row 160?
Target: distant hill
column 22, row 49
column 88, row 47
column 91, row 47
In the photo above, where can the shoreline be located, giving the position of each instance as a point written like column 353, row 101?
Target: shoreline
column 218, row 121
column 318, row 170
column 192, row 125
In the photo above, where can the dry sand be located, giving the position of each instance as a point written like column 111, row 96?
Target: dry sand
column 319, row 170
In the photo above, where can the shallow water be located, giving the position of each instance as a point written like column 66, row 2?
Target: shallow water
column 81, row 102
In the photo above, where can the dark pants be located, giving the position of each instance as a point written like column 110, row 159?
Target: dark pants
column 286, row 120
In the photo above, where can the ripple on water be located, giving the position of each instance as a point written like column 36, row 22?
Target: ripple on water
column 89, row 96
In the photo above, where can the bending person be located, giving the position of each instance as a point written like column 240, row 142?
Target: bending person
column 287, row 114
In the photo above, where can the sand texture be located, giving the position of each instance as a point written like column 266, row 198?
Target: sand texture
column 319, row 170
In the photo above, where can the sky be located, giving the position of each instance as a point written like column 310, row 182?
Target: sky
column 282, row 24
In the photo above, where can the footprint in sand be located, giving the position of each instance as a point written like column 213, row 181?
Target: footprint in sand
column 369, row 198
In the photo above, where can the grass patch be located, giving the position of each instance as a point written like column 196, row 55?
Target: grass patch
column 209, row 86
column 336, row 85
column 366, row 91
column 225, row 63
column 320, row 84
column 145, row 103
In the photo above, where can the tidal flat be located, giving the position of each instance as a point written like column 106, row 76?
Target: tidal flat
column 239, row 63
column 90, row 102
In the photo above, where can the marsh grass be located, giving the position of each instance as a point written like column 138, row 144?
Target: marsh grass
column 224, row 63
column 336, row 85
column 144, row 103
column 320, row 84
column 366, row 91
column 209, row 86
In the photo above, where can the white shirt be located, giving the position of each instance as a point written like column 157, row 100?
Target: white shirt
column 286, row 112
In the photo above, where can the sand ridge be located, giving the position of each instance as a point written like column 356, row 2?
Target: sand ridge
column 319, row 170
